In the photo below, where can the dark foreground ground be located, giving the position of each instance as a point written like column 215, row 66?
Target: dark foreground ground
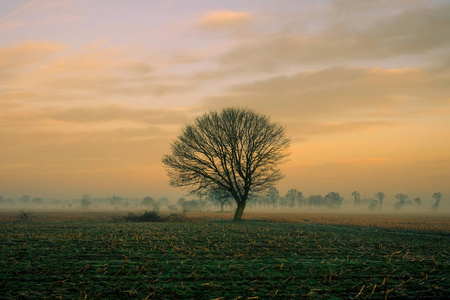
column 92, row 259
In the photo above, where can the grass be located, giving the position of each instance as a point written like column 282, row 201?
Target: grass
column 207, row 259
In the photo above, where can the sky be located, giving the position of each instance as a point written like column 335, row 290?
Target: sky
column 93, row 92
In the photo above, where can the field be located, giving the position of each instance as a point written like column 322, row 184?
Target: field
column 285, row 256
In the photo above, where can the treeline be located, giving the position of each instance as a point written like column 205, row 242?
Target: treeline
column 216, row 200
column 402, row 200
column 86, row 201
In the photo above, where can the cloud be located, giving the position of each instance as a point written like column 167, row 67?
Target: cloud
column 218, row 20
column 56, row 139
column 95, row 72
column 27, row 53
column 89, row 114
column 20, row 9
column 341, row 100
column 314, row 128
column 34, row 9
column 337, row 91
column 409, row 32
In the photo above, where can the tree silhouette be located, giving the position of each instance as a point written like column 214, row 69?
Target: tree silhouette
column 401, row 200
column 273, row 195
column 25, row 198
column 316, row 200
column 418, row 201
column 380, row 197
column 357, row 197
column 294, row 197
column 85, row 203
column 221, row 196
column 333, row 199
column 437, row 198
column 235, row 149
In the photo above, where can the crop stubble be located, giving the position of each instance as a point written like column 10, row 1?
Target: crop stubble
column 213, row 259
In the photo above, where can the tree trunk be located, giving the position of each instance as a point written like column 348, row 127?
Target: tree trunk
column 239, row 212
column 221, row 206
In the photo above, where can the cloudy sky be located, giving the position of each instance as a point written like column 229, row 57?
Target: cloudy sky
column 92, row 92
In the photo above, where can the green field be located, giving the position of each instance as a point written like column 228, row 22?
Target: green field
column 214, row 259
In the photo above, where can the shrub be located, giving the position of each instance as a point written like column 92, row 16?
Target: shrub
column 146, row 216
column 25, row 215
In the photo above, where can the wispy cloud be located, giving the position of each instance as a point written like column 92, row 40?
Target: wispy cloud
column 224, row 20
column 26, row 53
column 403, row 34
column 347, row 90
column 17, row 11
column 51, row 15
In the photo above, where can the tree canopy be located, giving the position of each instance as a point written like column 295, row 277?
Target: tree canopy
column 235, row 150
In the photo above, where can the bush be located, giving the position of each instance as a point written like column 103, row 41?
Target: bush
column 146, row 216
column 25, row 215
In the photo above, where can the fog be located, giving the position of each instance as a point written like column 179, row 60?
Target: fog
column 256, row 204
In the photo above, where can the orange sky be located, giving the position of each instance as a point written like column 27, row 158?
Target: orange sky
column 91, row 94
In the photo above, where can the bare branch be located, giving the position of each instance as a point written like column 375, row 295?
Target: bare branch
column 235, row 150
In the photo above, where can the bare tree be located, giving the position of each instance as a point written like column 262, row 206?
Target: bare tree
column 316, row 200
column 333, row 199
column 235, row 149
column 25, row 199
column 380, row 197
column 220, row 196
column 418, row 201
column 273, row 195
column 357, row 197
column 437, row 198
column 294, row 197
column 401, row 200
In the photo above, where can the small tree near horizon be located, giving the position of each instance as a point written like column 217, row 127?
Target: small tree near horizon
column 401, row 200
column 220, row 196
column 357, row 197
column 236, row 150
column 333, row 200
column 418, row 201
column 273, row 195
column 380, row 197
column 294, row 198
column 437, row 199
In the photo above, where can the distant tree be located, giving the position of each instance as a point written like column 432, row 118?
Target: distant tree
column 316, row 200
column 273, row 195
column 418, row 201
column 85, row 203
column 37, row 201
column 282, row 201
column 148, row 201
column 333, row 200
column 190, row 205
column 401, row 200
column 373, row 204
column 115, row 200
column 294, row 197
column 181, row 201
column 263, row 200
column 380, row 197
column 437, row 199
column 220, row 196
column 235, row 149
column 87, row 197
column 1, row 199
column 25, row 199
column 357, row 197
column 163, row 202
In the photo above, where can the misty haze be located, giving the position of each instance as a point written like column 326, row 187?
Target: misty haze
column 232, row 150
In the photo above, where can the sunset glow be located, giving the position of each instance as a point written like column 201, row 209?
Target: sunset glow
column 93, row 92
